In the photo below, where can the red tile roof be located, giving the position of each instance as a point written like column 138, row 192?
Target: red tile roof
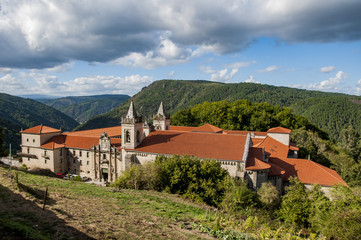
column 203, row 145
column 208, row 128
column 71, row 142
column 254, row 160
column 181, row 128
column 275, row 170
column 244, row 132
column 111, row 131
column 307, row 171
column 273, row 147
column 41, row 129
column 279, row 130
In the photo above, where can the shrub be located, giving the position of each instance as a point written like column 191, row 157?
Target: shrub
column 268, row 195
column 295, row 206
column 238, row 197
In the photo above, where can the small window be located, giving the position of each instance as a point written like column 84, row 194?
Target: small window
column 79, row 153
column 27, row 139
column 74, row 152
column 88, row 171
column 67, row 153
column 81, row 162
column 28, row 159
column 45, row 161
column 87, row 162
column 28, row 150
column 87, row 154
column 127, row 136
column 44, row 153
column 61, row 152
column 104, row 156
column 33, row 140
column 74, row 170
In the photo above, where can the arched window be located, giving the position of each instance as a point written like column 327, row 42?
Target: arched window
column 127, row 136
column 138, row 136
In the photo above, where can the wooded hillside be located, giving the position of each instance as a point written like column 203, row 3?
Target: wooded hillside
column 82, row 108
column 330, row 111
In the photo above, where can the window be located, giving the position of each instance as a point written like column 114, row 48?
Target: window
column 27, row 139
column 127, row 136
column 67, row 153
column 61, row 152
column 87, row 162
column 104, row 156
column 74, row 170
column 44, row 153
column 88, row 171
column 87, row 154
column 33, row 140
column 28, row 159
column 81, row 162
column 79, row 153
column 28, row 150
column 74, row 152
column 45, row 161
column 138, row 136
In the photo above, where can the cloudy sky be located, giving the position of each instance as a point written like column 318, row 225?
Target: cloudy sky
column 83, row 47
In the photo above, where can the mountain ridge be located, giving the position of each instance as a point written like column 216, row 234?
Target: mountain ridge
column 182, row 94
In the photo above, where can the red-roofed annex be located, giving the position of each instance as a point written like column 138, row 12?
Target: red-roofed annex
column 103, row 154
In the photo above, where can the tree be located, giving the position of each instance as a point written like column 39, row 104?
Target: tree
column 1, row 142
column 350, row 141
column 295, row 205
column 269, row 195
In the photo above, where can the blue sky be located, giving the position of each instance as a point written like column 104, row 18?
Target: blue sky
column 65, row 48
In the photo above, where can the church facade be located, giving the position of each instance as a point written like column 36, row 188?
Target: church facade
column 103, row 154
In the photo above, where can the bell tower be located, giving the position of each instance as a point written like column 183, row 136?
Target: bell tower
column 132, row 133
column 161, row 120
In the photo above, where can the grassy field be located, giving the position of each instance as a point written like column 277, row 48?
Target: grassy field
column 76, row 210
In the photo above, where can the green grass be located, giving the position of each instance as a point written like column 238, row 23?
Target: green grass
column 89, row 211
column 77, row 210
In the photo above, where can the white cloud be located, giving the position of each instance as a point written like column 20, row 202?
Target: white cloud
column 223, row 75
column 329, row 84
column 327, row 69
column 6, row 70
column 46, row 33
column 251, row 80
column 358, row 87
column 9, row 83
column 241, row 64
column 227, row 73
column 42, row 83
column 166, row 54
column 269, row 69
column 171, row 73
column 61, row 68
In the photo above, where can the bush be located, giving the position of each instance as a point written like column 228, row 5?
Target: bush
column 295, row 206
column 200, row 180
column 238, row 197
column 269, row 195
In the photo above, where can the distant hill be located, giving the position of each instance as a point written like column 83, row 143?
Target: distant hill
column 17, row 113
column 330, row 111
column 82, row 108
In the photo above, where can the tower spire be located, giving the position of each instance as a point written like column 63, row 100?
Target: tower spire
column 161, row 110
column 132, row 113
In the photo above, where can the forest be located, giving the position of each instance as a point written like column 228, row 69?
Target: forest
column 342, row 155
